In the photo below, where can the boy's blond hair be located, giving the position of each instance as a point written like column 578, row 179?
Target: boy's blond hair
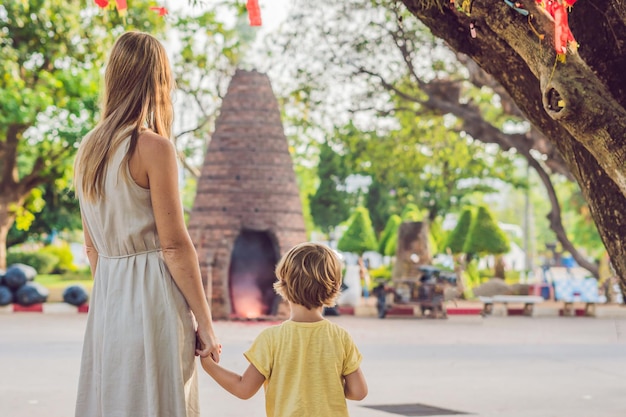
column 309, row 274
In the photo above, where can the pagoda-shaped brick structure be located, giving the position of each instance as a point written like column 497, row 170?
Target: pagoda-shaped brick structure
column 247, row 210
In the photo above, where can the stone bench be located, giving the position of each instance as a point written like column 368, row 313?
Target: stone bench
column 574, row 290
column 528, row 300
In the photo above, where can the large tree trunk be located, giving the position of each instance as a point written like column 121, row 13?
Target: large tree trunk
column 412, row 250
column 14, row 190
column 578, row 105
column 6, row 221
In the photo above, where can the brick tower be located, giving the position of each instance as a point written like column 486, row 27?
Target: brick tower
column 247, row 210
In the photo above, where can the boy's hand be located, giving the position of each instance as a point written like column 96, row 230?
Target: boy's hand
column 207, row 346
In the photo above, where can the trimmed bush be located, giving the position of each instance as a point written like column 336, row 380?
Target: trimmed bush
column 390, row 232
column 6, row 295
column 18, row 274
column 44, row 263
column 64, row 255
column 360, row 236
column 412, row 213
column 485, row 236
column 456, row 239
column 75, row 295
column 382, row 272
column 31, row 293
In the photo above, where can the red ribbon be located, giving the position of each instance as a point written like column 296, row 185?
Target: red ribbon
column 254, row 12
column 162, row 11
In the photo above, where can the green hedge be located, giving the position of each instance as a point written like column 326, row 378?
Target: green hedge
column 44, row 263
column 64, row 255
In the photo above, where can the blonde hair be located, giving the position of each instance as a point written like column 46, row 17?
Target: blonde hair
column 309, row 275
column 137, row 96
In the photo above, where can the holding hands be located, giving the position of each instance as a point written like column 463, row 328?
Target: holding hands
column 207, row 344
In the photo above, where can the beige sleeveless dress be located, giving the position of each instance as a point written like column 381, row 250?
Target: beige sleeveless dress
column 138, row 353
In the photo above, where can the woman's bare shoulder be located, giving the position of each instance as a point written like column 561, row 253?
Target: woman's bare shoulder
column 154, row 147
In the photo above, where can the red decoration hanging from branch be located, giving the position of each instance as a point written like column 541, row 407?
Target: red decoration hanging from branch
column 122, row 7
column 254, row 12
column 563, row 37
column 162, row 11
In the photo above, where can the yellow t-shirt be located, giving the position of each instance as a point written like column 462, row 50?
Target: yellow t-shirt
column 303, row 365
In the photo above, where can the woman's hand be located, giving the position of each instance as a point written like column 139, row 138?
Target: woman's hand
column 207, row 344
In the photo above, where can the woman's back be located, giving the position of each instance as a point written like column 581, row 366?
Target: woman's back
column 122, row 222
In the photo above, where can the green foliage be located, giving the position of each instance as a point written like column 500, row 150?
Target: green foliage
column 60, row 213
column 458, row 236
column 65, row 259
column 432, row 244
column 381, row 203
column 411, row 213
column 485, row 236
column 392, row 244
column 382, row 272
column 359, row 237
column 44, row 263
column 472, row 273
column 329, row 204
column 390, row 232
column 51, row 58
column 437, row 235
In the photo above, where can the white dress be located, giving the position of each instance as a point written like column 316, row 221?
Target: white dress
column 138, row 353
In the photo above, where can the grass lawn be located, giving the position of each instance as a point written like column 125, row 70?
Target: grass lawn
column 55, row 281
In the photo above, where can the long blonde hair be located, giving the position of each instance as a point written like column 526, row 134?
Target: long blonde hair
column 137, row 96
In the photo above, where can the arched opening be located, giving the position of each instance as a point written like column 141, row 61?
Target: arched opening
column 251, row 274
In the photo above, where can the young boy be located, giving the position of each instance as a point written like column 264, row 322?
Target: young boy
column 308, row 365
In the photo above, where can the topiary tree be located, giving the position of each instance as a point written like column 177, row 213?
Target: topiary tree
column 390, row 231
column 486, row 237
column 359, row 237
column 411, row 213
column 456, row 239
column 438, row 236
column 329, row 203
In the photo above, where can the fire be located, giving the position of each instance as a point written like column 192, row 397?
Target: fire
column 247, row 298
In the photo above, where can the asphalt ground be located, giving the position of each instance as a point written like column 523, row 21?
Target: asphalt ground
column 494, row 366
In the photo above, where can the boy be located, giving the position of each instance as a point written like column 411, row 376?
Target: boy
column 308, row 365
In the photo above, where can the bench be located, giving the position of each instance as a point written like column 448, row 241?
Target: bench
column 576, row 290
column 528, row 300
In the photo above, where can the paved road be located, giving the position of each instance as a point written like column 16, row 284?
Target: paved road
column 505, row 367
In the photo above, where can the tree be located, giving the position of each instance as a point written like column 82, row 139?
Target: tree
column 580, row 105
column 359, row 237
column 50, row 59
column 390, row 232
column 458, row 236
column 486, row 237
column 381, row 203
column 371, row 57
column 329, row 204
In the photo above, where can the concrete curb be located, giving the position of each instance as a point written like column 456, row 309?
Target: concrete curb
column 44, row 308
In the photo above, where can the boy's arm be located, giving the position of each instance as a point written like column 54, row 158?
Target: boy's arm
column 242, row 386
column 355, row 387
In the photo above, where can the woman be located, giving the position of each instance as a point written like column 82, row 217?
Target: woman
column 138, row 353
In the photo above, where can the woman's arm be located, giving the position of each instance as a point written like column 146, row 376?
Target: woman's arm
column 355, row 387
column 158, row 156
column 92, row 254
column 241, row 386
